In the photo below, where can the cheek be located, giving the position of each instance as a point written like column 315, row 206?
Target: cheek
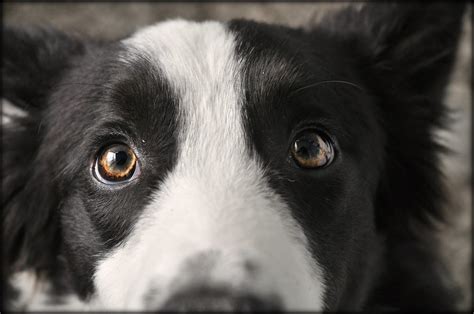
column 336, row 211
column 82, row 244
column 112, row 210
column 347, row 248
column 113, row 213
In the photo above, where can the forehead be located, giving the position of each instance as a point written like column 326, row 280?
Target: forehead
column 185, row 52
column 267, row 67
column 202, row 60
column 198, row 63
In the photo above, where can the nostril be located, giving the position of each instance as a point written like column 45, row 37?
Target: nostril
column 219, row 300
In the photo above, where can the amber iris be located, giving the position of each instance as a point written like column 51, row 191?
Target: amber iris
column 116, row 163
column 312, row 150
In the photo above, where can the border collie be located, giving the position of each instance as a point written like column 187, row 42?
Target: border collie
column 234, row 166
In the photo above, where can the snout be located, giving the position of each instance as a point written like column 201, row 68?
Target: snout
column 220, row 299
column 240, row 248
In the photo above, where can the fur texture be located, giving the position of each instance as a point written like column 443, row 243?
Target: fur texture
column 220, row 216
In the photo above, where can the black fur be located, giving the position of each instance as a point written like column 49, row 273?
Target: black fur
column 398, row 57
column 372, row 79
column 33, row 61
column 49, row 205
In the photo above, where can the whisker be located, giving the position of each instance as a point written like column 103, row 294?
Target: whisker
column 330, row 81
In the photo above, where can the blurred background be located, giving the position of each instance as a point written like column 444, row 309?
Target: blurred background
column 113, row 21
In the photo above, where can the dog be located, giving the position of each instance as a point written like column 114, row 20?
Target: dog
column 235, row 166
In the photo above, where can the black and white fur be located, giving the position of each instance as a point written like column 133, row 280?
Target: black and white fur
column 219, row 212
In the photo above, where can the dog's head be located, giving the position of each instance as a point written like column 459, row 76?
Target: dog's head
column 226, row 165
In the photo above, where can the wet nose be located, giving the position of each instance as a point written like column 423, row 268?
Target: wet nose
column 211, row 299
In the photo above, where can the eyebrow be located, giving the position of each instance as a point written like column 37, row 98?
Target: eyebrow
column 116, row 126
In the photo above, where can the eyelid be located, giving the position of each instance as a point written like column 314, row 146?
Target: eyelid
column 111, row 132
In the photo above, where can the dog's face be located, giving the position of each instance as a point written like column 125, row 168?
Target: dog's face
column 238, row 159
column 225, row 166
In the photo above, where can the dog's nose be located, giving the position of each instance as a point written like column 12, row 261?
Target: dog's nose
column 205, row 299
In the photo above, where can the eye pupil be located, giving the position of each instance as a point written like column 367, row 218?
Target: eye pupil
column 302, row 150
column 307, row 147
column 120, row 158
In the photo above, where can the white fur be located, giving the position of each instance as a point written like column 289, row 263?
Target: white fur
column 216, row 200
column 10, row 112
column 34, row 294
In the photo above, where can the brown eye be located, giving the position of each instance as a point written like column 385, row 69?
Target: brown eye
column 312, row 150
column 115, row 163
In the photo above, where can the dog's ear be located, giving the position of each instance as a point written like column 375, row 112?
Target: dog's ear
column 407, row 51
column 409, row 47
column 33, row 62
